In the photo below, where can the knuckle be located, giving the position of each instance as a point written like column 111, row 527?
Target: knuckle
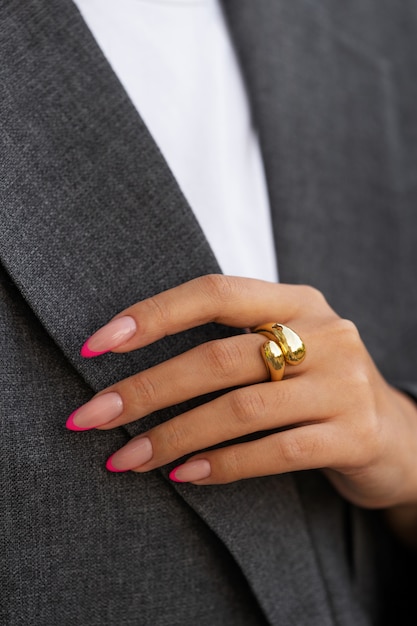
column 247, row 406
column 219, row 287
column 295, row 451
column 230, row 464
column 222, row 358
column 358, row 388
column 348, row 331
column 174, row 439
column 145, row 390
column 159, row 314
column 368, row 437
column 308, row 298
column 310, row 294
column 363, row 437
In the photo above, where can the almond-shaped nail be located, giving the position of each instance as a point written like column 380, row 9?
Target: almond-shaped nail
column 98, row 411
column 191, row 471
column 113, row 335
column 134, row 454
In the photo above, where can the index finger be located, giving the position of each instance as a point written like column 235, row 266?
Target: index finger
column 229, row 300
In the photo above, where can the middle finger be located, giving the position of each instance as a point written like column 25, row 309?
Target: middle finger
column 213, row 366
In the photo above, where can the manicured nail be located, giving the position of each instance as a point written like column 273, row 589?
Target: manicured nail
column 191, row 471
column 134, row 454
column 114, row 334
column 100, row 410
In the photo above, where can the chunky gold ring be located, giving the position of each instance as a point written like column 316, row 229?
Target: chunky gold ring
column 283, row 346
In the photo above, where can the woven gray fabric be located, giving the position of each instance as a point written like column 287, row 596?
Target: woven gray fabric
column 92, row 221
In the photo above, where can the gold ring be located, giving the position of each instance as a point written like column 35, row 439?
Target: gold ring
column 283, row 346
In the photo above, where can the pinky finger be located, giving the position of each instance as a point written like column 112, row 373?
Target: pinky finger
column 303, row 448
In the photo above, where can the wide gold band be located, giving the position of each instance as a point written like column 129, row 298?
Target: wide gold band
column 283, row 346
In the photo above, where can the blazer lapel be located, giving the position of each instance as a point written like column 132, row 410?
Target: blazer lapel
column 91, row 214
column 90, row 210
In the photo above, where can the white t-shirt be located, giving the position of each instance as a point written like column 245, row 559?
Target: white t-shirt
column 176, row 62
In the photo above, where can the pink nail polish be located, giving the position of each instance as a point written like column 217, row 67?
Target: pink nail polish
column 111, row 336
column 173, row 476
column 111, row 468
column 70, row 423
column 134, row 454
column 89, row 354
column 191, row 471
column 98, row 411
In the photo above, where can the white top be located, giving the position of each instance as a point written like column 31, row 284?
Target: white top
column 177, row 64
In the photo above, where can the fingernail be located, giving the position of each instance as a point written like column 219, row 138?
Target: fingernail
column 193, row 470
column 114, row 334
column 100, row 410
column 134, row 454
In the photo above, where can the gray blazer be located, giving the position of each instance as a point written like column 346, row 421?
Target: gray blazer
column 92, row 220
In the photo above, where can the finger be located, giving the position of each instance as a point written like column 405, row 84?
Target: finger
column 228, row 300
column 241, row 412
column 216, row 365
column 213, row 366
column 307, row 447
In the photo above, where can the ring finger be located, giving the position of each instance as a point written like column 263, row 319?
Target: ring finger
column 241, row 412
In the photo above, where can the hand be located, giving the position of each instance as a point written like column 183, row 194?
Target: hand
column 337, row 411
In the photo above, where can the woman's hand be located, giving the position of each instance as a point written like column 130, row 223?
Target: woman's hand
column 337, row 412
